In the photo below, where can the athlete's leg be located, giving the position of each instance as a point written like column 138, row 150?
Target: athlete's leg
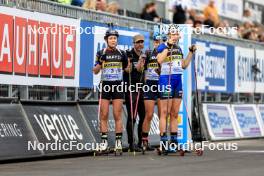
column 104, row 110
column 149, row 108
column 141, row 115
column 117, row 112
column 176, row 103
column 165, row 107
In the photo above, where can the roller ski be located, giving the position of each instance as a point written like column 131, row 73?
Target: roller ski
column 102, row 149
column 146, row 146
column 118, row 150
column 170, row 148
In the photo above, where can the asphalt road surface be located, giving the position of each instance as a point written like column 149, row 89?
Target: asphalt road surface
column 248, row 160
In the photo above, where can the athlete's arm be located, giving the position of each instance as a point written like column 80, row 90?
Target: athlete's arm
column 163, row 52
column 129, row 66
column 141, row 63
column 97, row 68
column 98, row 62
column 186, row 62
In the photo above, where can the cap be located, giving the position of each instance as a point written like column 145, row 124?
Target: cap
column 137, row 38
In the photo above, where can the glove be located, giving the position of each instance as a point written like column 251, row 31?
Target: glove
column 102, row 58
column 162, row 47
column 129, row 54
column 192, row 49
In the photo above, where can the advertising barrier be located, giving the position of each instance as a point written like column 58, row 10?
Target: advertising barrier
column 260, row 109
column 220, row 122
column 15, row 133
column 59, row 128
column 246, row 80
column 91, row 116
column 247, row 120
column 214, row 66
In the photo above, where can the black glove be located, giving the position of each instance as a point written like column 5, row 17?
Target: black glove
column 129, row 54
column 192, row 49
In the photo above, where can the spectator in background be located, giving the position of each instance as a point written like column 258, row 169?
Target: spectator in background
column 77, row 2
column 198, row 21
column 189, row 21
column 89, row 5
column 149, row 12
column 101, row 5
column 246, row 16
column 179, row 12
column 210, row 13
column 209, row 21
column 66, row 2
column 113, row 7
column 261, row 37
column 192, row 14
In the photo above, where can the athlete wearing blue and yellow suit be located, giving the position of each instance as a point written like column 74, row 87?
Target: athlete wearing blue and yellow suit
column 171, row 60
column 171, row 72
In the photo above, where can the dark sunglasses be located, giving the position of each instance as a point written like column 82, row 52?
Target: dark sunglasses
column 140, row 41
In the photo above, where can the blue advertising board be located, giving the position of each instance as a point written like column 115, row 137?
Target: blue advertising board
column 247, row 121
column 214, row 66
column 92, row 40
column 219, row 121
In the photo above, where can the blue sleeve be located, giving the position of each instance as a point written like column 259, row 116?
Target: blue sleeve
column 161, row 47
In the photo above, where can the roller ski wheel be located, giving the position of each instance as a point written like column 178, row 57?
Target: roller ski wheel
column 144, row 147
column 181, row 152
column 162, row 152
column 199, row 152
column 102, row 152
column 118, row 150
column 103, row 149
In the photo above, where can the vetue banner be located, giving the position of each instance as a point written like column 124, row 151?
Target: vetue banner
column 214, row 66
column 38, row 49
column 59, row 128
column 220, row 122
column 247, row 120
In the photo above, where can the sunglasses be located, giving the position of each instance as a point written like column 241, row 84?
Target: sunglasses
column 140, row 41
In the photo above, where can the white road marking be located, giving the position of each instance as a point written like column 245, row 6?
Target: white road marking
column 250, row 151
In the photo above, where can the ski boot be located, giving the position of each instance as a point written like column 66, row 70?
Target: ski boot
column 175, row 146
column 118, row 147
column 163, row 149
column 144, row 145
column 102, row 148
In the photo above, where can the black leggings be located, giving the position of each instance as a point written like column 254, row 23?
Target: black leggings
column 140, row 113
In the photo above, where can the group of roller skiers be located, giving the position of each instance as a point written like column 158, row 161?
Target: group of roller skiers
column 160, row 68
